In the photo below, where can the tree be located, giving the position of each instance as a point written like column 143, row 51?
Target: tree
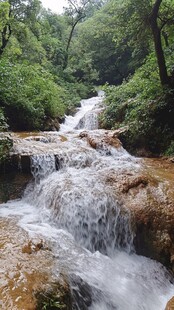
column 76, row 12
column 157, row 32
column 94, row 46
column 5, row 27
column 146, row 20
column 13, row 12
column 52, row 34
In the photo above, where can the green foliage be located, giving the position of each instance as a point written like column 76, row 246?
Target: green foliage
column 170, row 149
column 29, row 94
column 57, row 297
column 94, row 54
column 52, row 304
column 97, row 41
column 143, row 106
column 3, row 122
column 4, row 14
column 128, row 97
column 5, row 146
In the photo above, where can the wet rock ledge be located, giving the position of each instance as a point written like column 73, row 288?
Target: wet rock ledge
column 148, row 194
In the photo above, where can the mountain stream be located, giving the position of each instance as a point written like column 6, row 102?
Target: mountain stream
column 74, row 206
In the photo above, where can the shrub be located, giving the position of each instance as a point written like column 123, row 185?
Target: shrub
column 5, row 146
column 29, row 94
column 3, row 122
column 145, row 107
column 170, row 149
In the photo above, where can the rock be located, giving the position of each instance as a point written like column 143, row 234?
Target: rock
column 119, row 131
column 22, row 274
column 170, row 304
column 31, row 247
column 13, row 184
column 171, row 160
column 83, row 294
column 150, row 201
column 56, row 296
column 51, row 124
column 136, row 182
column 101, row 139
column 149, row 196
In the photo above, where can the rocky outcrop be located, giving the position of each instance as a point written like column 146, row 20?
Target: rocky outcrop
column 101, row 139
column 150, row 200
column 57, row 295
column 83, row 294
column 147, row 193
column 13, row 184
column 149, row 196
column 22, row 274
column 51, row 124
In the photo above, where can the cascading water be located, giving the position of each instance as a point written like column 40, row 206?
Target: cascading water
column 42, row 165
column 76, row 205
column 86, row 117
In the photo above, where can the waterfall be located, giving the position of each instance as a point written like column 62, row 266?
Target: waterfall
column 86, row 117
column 42, row 165
column 76, row 204
column 86, row 209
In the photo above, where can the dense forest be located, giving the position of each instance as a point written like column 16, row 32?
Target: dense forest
column 48, row 62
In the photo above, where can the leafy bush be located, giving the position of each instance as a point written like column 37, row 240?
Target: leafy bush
column 3, row 122
column 5, row 146
column 145, row 107
column 170, row 149
column 29, row 95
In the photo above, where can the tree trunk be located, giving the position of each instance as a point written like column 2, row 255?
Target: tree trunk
column 164, row 78
column 6, row 33
column 69, row 40
column 156, row 31
column 68, row 45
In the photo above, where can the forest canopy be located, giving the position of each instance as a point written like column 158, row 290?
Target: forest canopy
column 48, row 62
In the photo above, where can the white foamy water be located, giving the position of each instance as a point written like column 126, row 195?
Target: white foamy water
column 84, row 118
column 75, row 205
column 122, row 282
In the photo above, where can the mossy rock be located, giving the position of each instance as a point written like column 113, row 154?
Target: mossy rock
column 58, row 296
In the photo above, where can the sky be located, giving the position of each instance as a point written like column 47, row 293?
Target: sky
column 54, row 5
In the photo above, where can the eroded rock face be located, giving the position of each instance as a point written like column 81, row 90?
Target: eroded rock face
column 149, row 195
column 83, row 295
column 26, row 277
column 22, row 273
column 150, row 200
column 12, row 185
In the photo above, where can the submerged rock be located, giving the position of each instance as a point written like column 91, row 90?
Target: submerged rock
column 84, row 295
column 101, row 139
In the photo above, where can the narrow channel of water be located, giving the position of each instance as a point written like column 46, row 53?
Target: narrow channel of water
column 74, row 205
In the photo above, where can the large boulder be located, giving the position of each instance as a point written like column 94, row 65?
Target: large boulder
column 150, row 199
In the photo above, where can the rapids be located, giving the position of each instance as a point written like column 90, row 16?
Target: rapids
column 74, row 205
